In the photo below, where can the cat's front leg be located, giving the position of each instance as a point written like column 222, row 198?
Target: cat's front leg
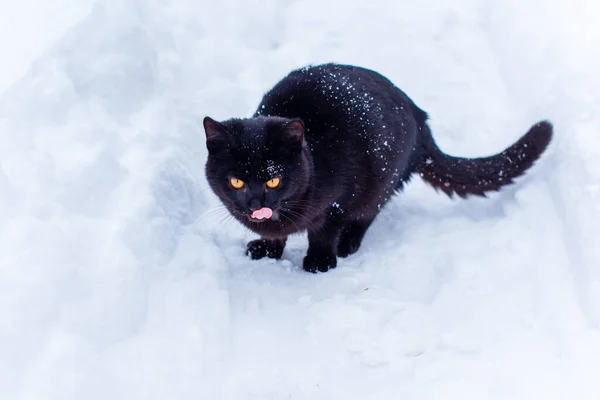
column 352, row 236
column 272, row 248
column 322, row 245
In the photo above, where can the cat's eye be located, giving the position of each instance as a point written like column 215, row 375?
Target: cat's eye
column 236, row 183
column 273, row 183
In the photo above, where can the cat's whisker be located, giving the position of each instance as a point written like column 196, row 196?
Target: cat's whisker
column 212, row 212
column 227, row 221
column 291, row 221
column 214, row 215
column 303, row 219
column 306, row 207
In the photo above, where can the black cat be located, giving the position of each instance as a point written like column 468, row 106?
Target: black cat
column 326, row 149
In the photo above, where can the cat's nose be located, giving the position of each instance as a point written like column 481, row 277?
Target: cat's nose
column 254, row 204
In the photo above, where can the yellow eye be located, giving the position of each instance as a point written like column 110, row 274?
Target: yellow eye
column 236, row 183
column 273, row 183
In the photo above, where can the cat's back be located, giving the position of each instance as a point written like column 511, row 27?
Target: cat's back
column 346, row 95
column 354, row 118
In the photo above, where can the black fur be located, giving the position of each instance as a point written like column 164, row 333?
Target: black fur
column 342, row 139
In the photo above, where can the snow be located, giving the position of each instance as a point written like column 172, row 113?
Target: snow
column 37, row 25
column 122, row 277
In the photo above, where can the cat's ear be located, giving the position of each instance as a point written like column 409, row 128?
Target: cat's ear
column 215, row 133
column 292, row 132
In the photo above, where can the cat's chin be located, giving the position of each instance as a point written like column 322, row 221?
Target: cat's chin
column 258, row 221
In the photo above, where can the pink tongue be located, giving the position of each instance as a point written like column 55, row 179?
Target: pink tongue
column 264, row 212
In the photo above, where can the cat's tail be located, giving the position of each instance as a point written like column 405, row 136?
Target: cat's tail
column 476, row 176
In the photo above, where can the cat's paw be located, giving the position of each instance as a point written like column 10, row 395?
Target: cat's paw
column 348, row 244
column 262, row 248
column 319, row 262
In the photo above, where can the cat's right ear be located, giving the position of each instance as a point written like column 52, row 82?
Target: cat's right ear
column 215, row 133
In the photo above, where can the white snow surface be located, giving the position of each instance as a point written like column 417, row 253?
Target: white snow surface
column 121, row 278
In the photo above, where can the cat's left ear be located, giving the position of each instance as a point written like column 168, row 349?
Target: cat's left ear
column 215, row 133
column 293, row 132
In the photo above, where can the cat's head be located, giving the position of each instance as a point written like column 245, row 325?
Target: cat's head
column 256, row 162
